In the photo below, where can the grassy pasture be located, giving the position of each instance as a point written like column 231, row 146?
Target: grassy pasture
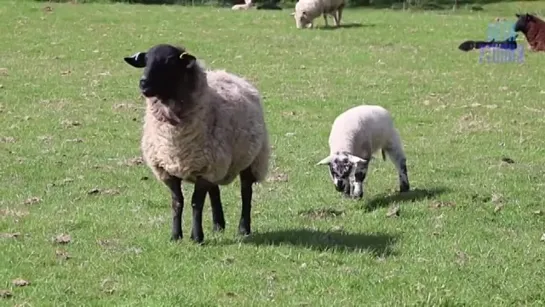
column 70, row 120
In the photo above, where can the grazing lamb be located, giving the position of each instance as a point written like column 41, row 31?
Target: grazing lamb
column 533, row 29
column 355, row 136
column 307, row 10
column 203, row 126
column 247, row 5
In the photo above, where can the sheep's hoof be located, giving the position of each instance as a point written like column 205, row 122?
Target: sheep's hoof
column 218, row 227
column 176, row 237
column 404, row 188
column 199, row 238
column 243, row 231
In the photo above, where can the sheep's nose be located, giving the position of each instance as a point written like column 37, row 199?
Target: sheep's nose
column 145, row 87
column 339, row 186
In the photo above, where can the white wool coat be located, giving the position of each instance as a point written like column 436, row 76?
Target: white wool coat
column 364, row 130
column 315, row 8
column 222, row 135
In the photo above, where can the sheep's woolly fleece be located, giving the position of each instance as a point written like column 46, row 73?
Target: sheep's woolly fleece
column 223, row 134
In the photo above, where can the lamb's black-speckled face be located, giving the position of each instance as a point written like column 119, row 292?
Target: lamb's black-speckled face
column 166, row 70
column 347, row 173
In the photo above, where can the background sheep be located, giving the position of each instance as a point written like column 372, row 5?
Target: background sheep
column 247, row 5
column 307, row 10
column 204, row 127
column 355, row 136
column 533, row 29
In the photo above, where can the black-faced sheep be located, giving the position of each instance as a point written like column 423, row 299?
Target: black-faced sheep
column 355, row 136
column 533, row 29
column 204, row 127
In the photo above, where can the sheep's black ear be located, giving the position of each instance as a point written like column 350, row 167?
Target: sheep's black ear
column 187, row 60
column 517, row 15
column 137, row 60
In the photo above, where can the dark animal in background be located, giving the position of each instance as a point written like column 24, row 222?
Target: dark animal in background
column 533, row 29
column 508, row 44
column 271, row 5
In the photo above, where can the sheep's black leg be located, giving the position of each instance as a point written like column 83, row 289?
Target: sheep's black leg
column 197, row 202
column 404, row 185
column 217, row 209
column 247, row 179
column 175, row 186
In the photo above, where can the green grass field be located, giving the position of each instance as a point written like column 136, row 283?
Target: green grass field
column 70, row 126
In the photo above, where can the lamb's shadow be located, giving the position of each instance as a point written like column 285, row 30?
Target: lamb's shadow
column 378, row 244
column 384, row 200
column 348, row 26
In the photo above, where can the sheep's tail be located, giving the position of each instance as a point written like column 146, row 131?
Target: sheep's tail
column 383, row 155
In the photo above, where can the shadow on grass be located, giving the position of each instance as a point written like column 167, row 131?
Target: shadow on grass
column 378, row 244
column 348, row 26
column 384, row 200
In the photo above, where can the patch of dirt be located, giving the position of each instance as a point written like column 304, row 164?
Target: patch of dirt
column 472, row 123
column 7, row 235
column 543, row 238
column 13, row 212
column 497, row 200
column 7, row 139
column 5, row 294
column 394, row 211
column 76, row 140
column 507, row 160
column 32, row 200
column 62, row 254
column 19, row 282
column 127, row 106
column 45, row 138
column 109, row 243
column 277, row 176
column 96, row 191
column 132, row 161
column 461, row 257
column 321, row 213
column 70, row 123
column 539, row 212
column 63, row 239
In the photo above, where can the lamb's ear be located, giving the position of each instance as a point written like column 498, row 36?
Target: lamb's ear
column 357, row 160
column 325, row 161
column 292, row 14
column 137, row 60
column 188, row 60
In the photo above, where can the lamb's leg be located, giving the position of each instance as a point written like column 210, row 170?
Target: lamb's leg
column 339, row 15
column 217, row 209
column 336, row 18
column 325, row 20
column 175, row 186
column 397, row 157
column 197, row 202
column 247, row 179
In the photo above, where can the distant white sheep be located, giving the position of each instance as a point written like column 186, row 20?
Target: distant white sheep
column 307, row 10
column 355, row 136
column 204, row 127
column 247, row 5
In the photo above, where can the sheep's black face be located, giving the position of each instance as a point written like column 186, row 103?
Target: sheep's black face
column 167, row 71
column 522, row 23
column 347, row 173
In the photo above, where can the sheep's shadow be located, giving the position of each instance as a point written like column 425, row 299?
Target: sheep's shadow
column 384, row 200
column 380, row 245
column 347, row 26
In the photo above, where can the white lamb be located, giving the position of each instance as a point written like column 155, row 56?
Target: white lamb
column 307, row 10
column 247, row 5
column 204, row 127
column 355, row 136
